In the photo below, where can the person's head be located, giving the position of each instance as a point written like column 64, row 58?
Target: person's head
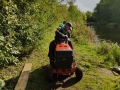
column 68, row 26
column 64, row 22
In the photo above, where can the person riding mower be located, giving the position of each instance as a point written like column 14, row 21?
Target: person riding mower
column 61, row 56
column 60, row 33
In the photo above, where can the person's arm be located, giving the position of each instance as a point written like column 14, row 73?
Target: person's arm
column 68, row 34
column 59, row 33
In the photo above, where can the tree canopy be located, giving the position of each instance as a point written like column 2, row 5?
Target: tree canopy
column 107, row 11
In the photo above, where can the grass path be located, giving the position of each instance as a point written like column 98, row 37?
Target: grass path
column 94, row 78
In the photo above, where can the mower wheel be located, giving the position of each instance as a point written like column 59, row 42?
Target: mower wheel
column 78, row 73
column 49, row 76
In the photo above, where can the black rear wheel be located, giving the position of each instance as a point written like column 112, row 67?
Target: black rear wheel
column 78, row 73
column 49, row 76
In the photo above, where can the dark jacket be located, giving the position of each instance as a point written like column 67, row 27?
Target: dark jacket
column 59, row 34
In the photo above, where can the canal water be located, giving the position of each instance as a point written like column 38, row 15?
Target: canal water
column 111, row 34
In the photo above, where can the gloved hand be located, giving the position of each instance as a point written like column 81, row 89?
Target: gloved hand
column 65, row 36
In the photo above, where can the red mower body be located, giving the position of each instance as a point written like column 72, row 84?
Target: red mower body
column 64, row 64
column 63, row 46
column 64, row 60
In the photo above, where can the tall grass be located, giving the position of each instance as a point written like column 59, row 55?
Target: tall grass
column 111, row 51
column 83, row 35
column 86, row 36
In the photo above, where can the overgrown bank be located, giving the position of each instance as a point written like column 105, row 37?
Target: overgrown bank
column 89, row 56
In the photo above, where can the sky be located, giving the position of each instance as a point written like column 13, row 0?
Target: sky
column 86, row 5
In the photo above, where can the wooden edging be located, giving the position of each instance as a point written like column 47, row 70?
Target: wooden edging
column 22, row 82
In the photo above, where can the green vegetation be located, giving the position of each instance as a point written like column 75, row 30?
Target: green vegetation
column 2, row 84
column 107, row 12
column 16, row 31
column 28, row 26
column 89, row 16
column 22, row 26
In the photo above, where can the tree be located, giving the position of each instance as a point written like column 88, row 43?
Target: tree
column 89, row 16
column 74, row 13
column 107, row 11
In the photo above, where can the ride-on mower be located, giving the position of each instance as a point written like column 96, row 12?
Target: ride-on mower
column 63, row 62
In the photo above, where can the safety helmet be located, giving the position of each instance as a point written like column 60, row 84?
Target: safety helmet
column 70, row 25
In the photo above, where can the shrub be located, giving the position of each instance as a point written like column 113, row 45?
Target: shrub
column 111, row 51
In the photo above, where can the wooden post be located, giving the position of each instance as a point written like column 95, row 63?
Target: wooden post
column 22, row 82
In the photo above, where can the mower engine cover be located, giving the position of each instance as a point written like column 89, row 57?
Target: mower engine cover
column 63, row 56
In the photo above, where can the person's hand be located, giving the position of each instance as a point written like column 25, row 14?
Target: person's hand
column 66, row 36
column 68, row 39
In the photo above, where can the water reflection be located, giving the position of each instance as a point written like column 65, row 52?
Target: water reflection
column 112, row 34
